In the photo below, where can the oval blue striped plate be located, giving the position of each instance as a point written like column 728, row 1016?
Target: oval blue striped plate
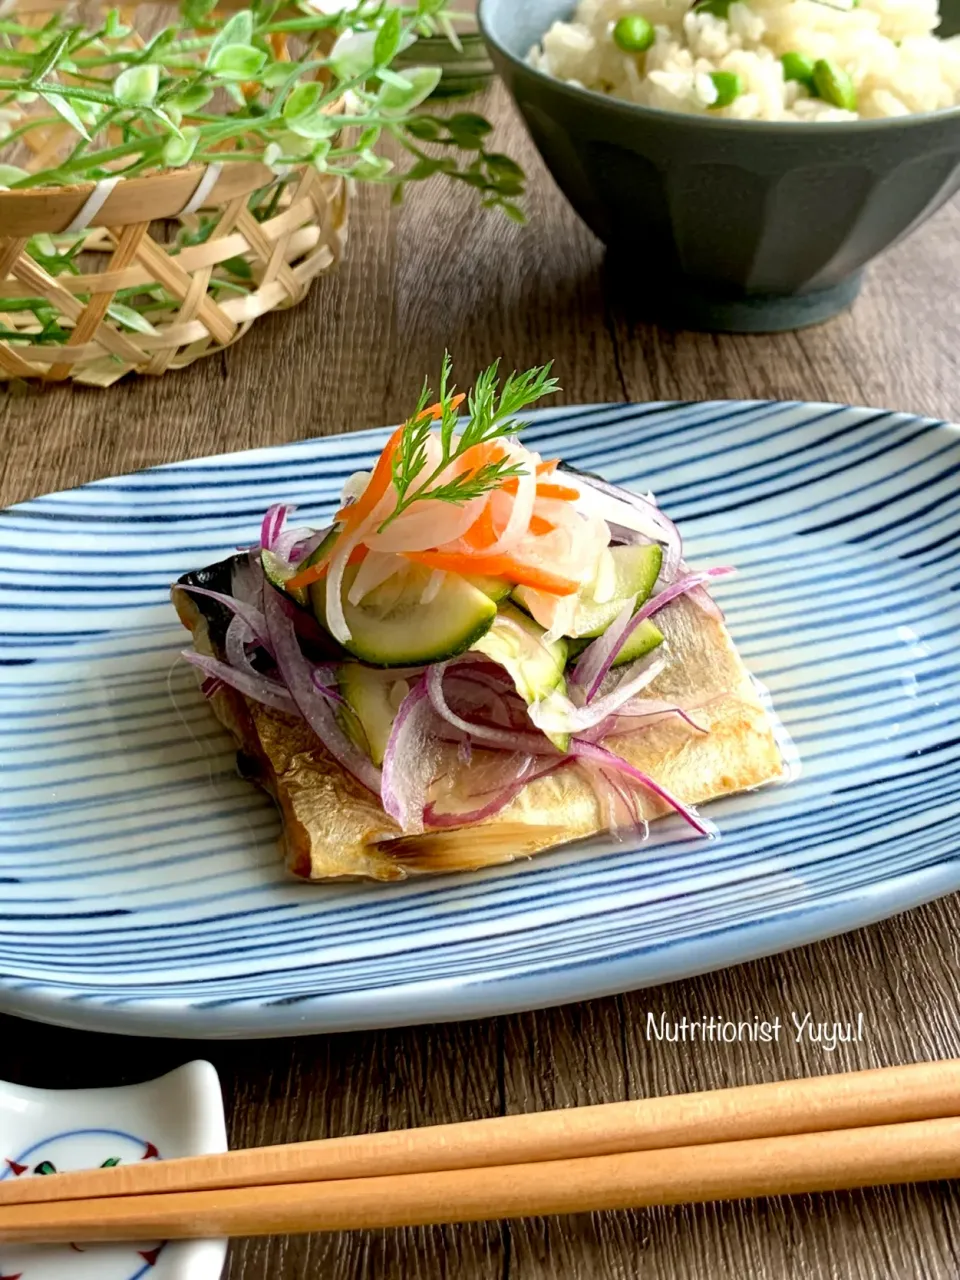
column 140, row 889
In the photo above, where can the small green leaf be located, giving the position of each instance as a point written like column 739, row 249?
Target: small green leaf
column 422, row 170
column 196, row 10
column 514, row 213
column 137, row 86
column 113, row 27
column 369, row 138
column 503, row 166
column 422, row 82
column 386, row 76
column 44, row 1168
column 178, row 151
column 191, row 99
column 387, row 44
column 9, row 174
column 239, row 30
column 63, row 107
column 352, row 56
column 133, row 320
column 319, row 125
column 47, row 58
column 237, row 62
column 239, row 267
column 276, row 74
column 370, row 167
column 111, row 1163
column 467, row 122
column 303, row 100
column 423, row 127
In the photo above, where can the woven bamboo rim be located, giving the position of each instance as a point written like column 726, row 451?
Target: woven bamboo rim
column 127, row 242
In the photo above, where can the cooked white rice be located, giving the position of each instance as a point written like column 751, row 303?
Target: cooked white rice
column 887, row 47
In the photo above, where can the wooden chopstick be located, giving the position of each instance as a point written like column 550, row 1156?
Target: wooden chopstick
column 843, row 1159
column 887, row 1096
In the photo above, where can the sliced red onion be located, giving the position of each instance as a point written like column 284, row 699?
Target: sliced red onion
column 557, row 714
column 272, row 525
column 610, row 760
column 259, row 688
column 597, row 659
column 297, row 675
column 411, row 759
column 235, row 645
column 640, row 714
column 290, row 544
column 322, row 681
column 534, row 743
column 251, row 616
column 499, row 799
column 617, row 804
column 211, row 685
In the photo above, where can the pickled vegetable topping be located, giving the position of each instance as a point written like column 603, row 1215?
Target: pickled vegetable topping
column 475, row 611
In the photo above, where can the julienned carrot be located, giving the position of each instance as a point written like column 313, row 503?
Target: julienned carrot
column 314, row 572
column 377, row 486
column 544, row 490
column 539, row 526
column 502, row 566
column 482, row 532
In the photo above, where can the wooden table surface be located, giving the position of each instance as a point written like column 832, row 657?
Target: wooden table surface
column 437, row 274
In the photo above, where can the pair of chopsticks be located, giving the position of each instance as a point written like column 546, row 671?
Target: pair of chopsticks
column 830, row 1133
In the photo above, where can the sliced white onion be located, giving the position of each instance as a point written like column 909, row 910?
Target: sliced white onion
column 556, row 713
column 411, row 759
column 605, row 586
column 432, row 589
column 523, row 501
column 377, row 568
column 425, row 525
column 354, row 486
column 620, row 506
column 597, row 659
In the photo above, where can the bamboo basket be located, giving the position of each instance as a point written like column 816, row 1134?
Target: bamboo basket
column 129, row 240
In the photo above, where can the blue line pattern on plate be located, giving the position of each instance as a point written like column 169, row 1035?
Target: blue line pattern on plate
column 140, row 888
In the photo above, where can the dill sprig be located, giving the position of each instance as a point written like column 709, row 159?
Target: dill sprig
column 492, row 416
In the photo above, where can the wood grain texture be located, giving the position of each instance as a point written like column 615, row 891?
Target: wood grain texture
column 438, row 274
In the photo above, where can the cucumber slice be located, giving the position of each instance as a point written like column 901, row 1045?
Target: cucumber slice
column 515, row 642
column 392, row 628
column 635, row 571
column 277, row 572
column 373, row 702
column 646, row 637
column 496, row 588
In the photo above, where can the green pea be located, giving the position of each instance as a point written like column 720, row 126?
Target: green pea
column 728, row 86
column 633, row 33
column 797, row 66
column 833, row 85
column 719, row 8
